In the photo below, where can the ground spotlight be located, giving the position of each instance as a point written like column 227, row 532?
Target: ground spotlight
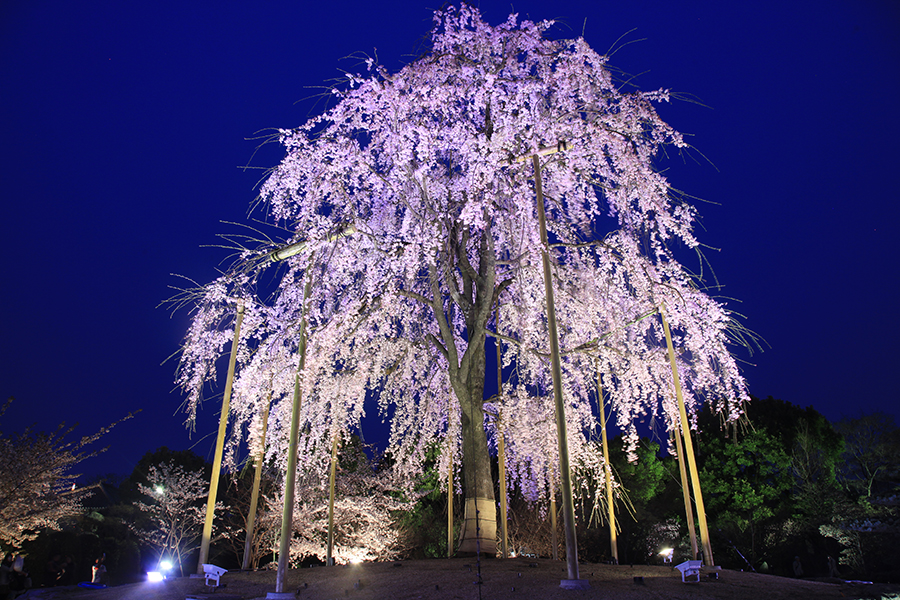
column 155, row 576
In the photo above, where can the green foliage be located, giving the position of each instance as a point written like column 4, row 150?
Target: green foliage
column 746, row 482
column 640, row 506
column 871, row 459
column 642, row 480
column 815, row 458
column 814, row 448
column 772, row 483
column 424, row 527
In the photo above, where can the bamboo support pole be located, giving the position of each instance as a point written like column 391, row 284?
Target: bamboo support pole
column 565, row 476
column 329, row 556
column 220, row 445
column 287, row 515
column 501, row 458
column 610, row 501
column 450, row 489
column 501, row 448
column 293, row 249
column 688, row 446
column 554, row 541
column 254, row 495
column 686, row 491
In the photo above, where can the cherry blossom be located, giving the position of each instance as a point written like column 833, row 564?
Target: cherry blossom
column 418, row 217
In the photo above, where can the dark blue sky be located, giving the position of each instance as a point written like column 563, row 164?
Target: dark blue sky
column 122, row 127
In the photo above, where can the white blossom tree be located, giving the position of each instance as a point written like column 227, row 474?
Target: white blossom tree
column 365, row 506
column 176, row 510
column 419, row 218
column 37, row 479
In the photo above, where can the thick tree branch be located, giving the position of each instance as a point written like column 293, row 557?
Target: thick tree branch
column 437, row 307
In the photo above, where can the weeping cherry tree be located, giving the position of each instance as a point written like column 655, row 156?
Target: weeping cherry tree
column 415, row 197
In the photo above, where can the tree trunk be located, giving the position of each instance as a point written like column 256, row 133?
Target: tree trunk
column 479, row 529
column 473, row 293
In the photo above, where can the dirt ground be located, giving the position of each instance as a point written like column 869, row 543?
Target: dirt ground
column 512, row 579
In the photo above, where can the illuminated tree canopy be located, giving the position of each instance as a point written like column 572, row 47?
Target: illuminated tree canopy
column 415, row 197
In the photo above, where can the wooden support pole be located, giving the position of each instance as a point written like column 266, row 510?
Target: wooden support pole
column 220, row 445
column 254, row 495
column 610, row 500
column 329, row 557
column 688, row 446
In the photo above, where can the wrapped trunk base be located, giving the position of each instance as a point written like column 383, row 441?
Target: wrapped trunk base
column 479, row 528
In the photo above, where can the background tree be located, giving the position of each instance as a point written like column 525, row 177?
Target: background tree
column 417, row 219
column 815, row 460
column 424, row 526
column 642, row 482
column 866, row 523
column 775, row 487
column 747, row 481
column 187, row 460
column 176, row 510
column 871, row 458
column 366, row 508
column 234, row 522
column 37, row 480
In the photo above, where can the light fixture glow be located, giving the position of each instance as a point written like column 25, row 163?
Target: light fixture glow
column 155, row 576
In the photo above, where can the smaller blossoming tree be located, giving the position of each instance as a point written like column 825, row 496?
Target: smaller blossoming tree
column 176, row 510
column 37, row 476
column 365, row 504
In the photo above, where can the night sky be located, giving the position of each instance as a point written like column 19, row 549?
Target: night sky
column 123, row 126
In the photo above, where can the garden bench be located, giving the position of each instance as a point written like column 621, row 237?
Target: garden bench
column 689, row 568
